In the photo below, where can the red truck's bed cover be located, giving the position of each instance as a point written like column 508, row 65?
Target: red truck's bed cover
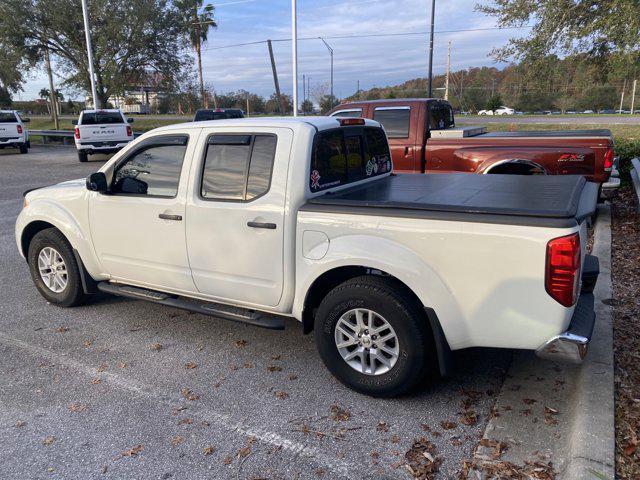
column 550, row 134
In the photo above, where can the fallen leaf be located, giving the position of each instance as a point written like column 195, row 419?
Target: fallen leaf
column 339, row 414
column 133, row 452
column 191, row 366
column 240, row 343
column 177, row 440
column 382, row 426
column 48, row 440
column 281, row 395
column 156, row 346
column 447, row 425
column 274, row 368
column 208, row 450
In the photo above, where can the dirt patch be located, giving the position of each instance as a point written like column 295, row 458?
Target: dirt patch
column 625, row 251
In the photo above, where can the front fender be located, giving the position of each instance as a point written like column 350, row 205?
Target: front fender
column 42, row 210
column 389, row 257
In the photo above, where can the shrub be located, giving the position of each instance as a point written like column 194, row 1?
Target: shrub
column 626, row 149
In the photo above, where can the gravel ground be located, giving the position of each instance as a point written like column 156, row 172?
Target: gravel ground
column 626, row 307
column 128, row 389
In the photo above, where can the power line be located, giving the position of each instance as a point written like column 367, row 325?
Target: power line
column 369, row 35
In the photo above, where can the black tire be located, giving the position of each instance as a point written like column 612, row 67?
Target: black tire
column 82, row 156
column 24, row 148
column 416, row 360
column 72, row 294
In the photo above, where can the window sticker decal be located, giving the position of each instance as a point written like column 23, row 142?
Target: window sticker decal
column 315, row 179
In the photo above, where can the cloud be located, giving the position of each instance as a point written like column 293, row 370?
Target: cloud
column 374, row 60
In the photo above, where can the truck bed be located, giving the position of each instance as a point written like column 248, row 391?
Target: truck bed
column 545, row 200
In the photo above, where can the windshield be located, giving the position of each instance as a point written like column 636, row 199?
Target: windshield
column 8, row 117
column 99, row 118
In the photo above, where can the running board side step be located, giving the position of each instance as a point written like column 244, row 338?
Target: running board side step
column 228, row 312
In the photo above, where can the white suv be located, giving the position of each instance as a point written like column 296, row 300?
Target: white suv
column 13, row 132
column 101, row 131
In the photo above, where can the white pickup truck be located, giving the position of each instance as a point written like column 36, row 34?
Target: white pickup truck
column 101, row 131
column 13, row 132
column 256, row 220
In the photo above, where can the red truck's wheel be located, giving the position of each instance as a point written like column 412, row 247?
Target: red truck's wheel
column 374, row 337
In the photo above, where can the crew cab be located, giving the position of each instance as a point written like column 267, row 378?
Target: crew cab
column 101, row 131
column 424, row 139
column 260, row 220
column 13, row 132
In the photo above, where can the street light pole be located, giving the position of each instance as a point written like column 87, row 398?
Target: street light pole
column 294, row 54
column 331, row 53
column 433, row 11
column 87, row 35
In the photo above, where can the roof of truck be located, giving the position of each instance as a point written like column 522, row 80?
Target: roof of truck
column 320, row 123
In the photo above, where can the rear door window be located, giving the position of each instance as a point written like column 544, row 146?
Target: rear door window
column 395, row 120
column 8, row 117
column 238, row 167
column 100, row 118
column 343, row 156
column 440, row 116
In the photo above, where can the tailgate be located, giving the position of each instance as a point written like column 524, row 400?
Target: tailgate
column 116, row 131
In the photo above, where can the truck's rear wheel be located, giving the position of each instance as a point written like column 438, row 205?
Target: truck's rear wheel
column 374, row 338
column 82, row 156
column 24, row 148
column 54, row 269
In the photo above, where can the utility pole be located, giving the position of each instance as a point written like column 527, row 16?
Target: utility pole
column 53, row 97
column 624, row 87
column 87, row 36
column 279, row 98
column 304, row 88
column 446, row 80
column 433, row 11
column 247, row 104
column 358, row 90
column 330, row 53
column 633, row 96
column 294, row 54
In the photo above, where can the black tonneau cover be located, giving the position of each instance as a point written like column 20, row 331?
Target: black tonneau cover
column 536, row 200
column 547, row 134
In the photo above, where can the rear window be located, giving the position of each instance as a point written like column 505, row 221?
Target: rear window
column 351, row 113
column 99, row 118
column 440, row 116
column 343, row 156
column 395, row 120
column 8, row 118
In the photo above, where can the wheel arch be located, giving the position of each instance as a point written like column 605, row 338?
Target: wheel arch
column 516, row 166
column 333, row 277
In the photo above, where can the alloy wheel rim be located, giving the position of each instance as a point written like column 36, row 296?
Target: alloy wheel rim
column 52, row 269
column 366, row 341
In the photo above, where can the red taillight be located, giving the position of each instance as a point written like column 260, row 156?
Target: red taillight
column 562, row 278
column 608, row 160
column 351, row 121
column 19, row 129
column 129, row 131
column 76, row 132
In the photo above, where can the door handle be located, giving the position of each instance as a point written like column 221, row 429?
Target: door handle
column 268, row 226
column 166, row 216
column 406, row 151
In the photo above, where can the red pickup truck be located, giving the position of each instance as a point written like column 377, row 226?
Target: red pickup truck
column 424, row 139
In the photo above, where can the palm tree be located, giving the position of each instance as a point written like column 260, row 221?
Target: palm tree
column 198, row 20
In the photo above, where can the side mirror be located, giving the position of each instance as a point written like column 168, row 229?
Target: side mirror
column 26, row 120
column 97, row 182
column 129, row 120
column 74, row 122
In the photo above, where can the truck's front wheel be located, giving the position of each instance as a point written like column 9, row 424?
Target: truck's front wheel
column 374, row 337
column 54, row 268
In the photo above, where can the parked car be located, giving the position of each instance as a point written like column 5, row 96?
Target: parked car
column 217, row 114
column 498, row 111
column 101, row 131
column 257, row 220
column 424, row 139
column 588, row 112
column 13, row 131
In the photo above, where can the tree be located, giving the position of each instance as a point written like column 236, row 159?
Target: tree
column 5, row 97
column 130, row 38
column 600, row 98
column 494, row 102
column 197, row 21
column 327, row 103
column 306, row 106
column 602, row 29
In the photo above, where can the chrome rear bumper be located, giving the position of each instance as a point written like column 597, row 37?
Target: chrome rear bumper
column 572, row 346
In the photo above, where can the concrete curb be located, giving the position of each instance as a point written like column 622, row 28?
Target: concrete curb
column 563, row 414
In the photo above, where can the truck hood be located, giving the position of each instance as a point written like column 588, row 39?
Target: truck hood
column 63, row 189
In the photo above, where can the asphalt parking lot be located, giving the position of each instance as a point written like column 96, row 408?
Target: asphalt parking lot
column 127, row 389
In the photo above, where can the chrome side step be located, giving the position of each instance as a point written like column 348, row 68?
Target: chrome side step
column 228, row 312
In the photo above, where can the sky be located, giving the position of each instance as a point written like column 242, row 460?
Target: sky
column 374, row 60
